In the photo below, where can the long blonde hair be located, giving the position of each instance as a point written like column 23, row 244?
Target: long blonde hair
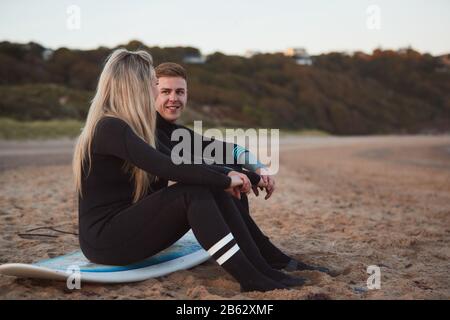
column 124, row 91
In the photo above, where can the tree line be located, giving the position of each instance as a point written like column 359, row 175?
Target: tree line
column 383, row 92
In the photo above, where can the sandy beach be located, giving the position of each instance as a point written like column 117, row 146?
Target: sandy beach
column 345, row 203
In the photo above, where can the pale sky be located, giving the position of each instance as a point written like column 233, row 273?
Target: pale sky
column 232, row 26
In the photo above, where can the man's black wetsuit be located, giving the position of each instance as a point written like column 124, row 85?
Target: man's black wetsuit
column 271, row 253
column 164, row 130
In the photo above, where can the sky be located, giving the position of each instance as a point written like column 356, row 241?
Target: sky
column 232, row 26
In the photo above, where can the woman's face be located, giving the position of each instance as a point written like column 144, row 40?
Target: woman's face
column 154, row 87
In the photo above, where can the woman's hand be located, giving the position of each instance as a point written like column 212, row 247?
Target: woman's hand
column 246, row 184
column 239, row 183
column 236, row 181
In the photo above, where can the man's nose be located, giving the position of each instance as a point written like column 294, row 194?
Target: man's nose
column 173, row 97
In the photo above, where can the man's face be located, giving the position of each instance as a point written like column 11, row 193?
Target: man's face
column 172, row 97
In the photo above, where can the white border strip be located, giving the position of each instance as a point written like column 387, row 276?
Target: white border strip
column 227, row 255
column 220, row 244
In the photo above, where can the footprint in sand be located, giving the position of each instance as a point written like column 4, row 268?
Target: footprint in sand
column 8, row 238
column 4, row 213
column 9, row 219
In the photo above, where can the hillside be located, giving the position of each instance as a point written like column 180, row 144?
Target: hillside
column 384, row 92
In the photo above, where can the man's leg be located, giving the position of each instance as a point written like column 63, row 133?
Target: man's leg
column 273, row 255
column 246, row 242
column 269, row 251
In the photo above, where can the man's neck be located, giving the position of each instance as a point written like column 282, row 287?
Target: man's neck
column 162, row 122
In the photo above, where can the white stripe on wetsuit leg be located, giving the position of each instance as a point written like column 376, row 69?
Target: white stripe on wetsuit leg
column 220, row 244
column 227, row 255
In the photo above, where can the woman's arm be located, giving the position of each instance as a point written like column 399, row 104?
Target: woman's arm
column 115, row 137
column 164, row 143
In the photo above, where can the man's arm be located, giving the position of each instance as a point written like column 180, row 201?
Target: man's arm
column 246, row 159
column 163, row 144
column 240, row 157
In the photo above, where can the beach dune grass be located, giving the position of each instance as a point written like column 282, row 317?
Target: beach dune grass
column 23, row 130
column 11, row 129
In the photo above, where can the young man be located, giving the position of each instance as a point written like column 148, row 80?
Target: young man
column 170, row 103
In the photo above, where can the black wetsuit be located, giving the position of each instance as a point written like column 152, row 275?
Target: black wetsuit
column 108, row 190
column 114, row 231
column 272, row 254
column 164, row 130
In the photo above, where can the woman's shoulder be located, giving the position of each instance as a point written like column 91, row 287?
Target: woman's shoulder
column 108, row 135
column 109, row 127
column 110, row 123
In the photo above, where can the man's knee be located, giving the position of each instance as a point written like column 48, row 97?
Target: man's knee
column 198, row 191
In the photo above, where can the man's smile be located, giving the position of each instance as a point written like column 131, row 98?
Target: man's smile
column 173, row 108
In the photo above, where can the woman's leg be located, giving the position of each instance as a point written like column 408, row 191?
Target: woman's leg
column 158, row 220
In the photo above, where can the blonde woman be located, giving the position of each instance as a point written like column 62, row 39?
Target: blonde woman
column 121, row 220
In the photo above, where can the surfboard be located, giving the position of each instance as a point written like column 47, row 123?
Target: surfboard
column 184, row 254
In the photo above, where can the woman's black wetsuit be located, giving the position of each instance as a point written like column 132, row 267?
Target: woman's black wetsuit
column 114, row 231
column 108, row 220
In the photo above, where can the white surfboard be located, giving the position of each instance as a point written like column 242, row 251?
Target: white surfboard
column 184, row 254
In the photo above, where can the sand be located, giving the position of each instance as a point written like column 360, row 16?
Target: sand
column 345, row 203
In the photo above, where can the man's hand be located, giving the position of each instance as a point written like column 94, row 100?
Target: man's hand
column 235, row 191
column 267, row 182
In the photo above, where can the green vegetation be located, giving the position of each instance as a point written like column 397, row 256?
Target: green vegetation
column 19, row 130
column 43, row 102
column 384, row 92
column 306, row 132
column 47, row 129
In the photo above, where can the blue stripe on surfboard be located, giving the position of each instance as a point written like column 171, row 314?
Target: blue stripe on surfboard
column 77, row 258
column 188, row 244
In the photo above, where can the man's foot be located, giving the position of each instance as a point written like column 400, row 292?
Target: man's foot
column 291, row 281
column 295, row 265
column 263, row 287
